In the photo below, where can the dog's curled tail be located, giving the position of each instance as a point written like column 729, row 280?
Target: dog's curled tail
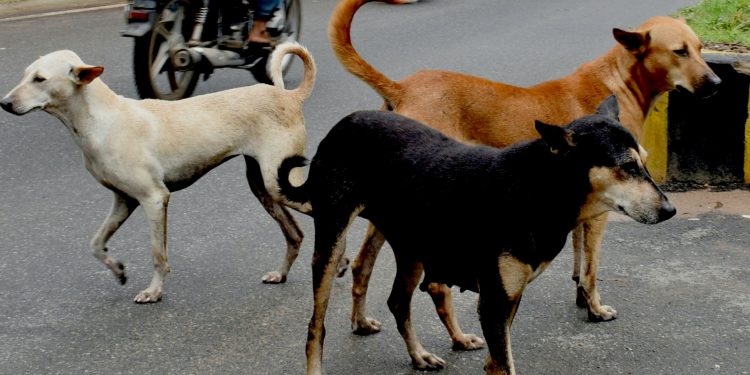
column 339, row 34
column 305, row 88
column 296, row 194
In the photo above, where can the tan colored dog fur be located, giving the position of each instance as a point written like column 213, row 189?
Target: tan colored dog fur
column 660, row 55
column 143, row 150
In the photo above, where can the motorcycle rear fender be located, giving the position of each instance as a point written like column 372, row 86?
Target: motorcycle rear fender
column 140, row 16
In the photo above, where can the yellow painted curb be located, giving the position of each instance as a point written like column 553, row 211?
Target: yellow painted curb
column 746, row 169
column 654, row 140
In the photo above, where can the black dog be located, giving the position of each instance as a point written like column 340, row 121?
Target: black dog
column 485, row 219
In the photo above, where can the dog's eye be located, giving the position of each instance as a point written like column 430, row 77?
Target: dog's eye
column 631, row 168
column 39, row 79
column 682, row 52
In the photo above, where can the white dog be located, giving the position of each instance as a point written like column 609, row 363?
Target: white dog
column 143, row 150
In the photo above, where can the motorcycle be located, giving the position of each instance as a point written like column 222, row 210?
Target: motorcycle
column 177, row 41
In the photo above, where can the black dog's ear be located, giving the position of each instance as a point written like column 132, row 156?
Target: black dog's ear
column 559, row 139
column 634, row 41
column 609, row 108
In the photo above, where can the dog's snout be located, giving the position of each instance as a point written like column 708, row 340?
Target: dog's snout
column 711, row 80
column 709, row 85
column 7, row 105
column 715, row 80
column 666, row 211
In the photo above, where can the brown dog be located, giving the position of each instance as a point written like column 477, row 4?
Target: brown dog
column 661, row 55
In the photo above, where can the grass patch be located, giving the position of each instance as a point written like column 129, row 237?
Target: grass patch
column 720, row 21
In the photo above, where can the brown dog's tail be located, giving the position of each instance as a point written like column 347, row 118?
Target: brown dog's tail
column 339, row 34
column 302, row 91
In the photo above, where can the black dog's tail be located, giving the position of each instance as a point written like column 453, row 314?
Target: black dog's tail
column 298, row 194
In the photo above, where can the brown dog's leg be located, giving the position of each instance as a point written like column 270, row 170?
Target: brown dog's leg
column 361, row 271
column 440, row 293
column 292, row 233
column 441, row 296
column 593, row 234
column 122, row 207
column 408, row 274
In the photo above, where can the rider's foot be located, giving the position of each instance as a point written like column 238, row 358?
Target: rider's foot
column 258, row 48
column 258, row 33
column 254, row 52
column 258, row 43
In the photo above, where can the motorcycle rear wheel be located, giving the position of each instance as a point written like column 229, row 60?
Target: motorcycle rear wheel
column 291, row 33
column 155, row 74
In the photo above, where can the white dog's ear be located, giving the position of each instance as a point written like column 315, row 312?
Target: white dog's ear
column 83, row 75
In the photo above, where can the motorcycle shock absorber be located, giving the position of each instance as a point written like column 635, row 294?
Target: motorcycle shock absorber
column 200, row 20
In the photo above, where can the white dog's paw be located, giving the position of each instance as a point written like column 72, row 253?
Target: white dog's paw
column 468, row 342
column 119, row 271
column 342, row 267
column 148, row 296
column 274, row 277
column 602, row 314
column 117, row 268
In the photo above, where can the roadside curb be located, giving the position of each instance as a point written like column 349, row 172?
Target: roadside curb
column 703, row 143
column 41, row 8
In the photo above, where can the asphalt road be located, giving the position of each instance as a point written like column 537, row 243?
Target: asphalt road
column 682, row 287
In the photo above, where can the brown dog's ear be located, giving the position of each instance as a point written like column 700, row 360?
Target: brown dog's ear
column 609, row 108
column 83, row 75
column 559, row 139
column 634, row 41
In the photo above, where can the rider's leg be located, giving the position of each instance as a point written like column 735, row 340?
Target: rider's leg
column 263, row 13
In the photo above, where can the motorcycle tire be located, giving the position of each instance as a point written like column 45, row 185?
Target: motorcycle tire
column 291, row 33
column 155, row 75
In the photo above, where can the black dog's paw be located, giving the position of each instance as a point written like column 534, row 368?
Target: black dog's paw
column 426, row 361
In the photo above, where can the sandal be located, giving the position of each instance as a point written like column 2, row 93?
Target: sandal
column 258, row 48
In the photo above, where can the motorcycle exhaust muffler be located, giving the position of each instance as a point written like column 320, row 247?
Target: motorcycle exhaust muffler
column 186, row 58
